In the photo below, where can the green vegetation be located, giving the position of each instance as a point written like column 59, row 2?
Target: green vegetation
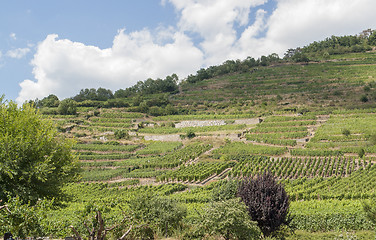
column 308, row 119
column 34, row 161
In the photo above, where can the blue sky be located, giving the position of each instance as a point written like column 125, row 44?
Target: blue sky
column 60, row 47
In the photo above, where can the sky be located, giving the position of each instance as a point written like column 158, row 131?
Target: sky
column 60, row 47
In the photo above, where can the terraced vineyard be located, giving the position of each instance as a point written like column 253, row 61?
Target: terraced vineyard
column 305, row 124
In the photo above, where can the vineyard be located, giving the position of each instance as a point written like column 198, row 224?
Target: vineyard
column 304, row 124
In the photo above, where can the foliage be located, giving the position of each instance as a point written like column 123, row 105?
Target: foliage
column 225, row 190
column 67, row 107
column 190, row 134
column 96, row 223
column 92, row 94
column 121, row 134
column 325, row 178
column 228, row 219
column 300, row 57
column 340, row 44
column 165, row 213
column 329, row 215
column 24, row 220
column 267, row 202
column 195, row 172
column 49, row 101
column 231, row 66
column 150, row 86
column 34, row 161
column 370, row 211
column 358, row 185
column 346, row 132
column 361, row 152
column 235, row 149
column 372, row 139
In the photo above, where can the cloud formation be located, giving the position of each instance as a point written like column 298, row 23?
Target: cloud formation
column 207, row 33
column 18, row 53
column 63, row 67
column 299, row 22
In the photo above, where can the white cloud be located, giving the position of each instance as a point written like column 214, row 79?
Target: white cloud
column 215, row 21
column 18, row 53
column 299, row 22
column 13, row 36
column 64, row 67
column 293, row 23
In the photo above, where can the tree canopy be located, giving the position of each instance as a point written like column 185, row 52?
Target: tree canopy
column 35, row 161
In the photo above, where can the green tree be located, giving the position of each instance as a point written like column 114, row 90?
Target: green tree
column 229, row 219
column 67, row 107
column 165, row 213
column 35, row 162
column 50, row 101
column 300, row 57
column 372, row 38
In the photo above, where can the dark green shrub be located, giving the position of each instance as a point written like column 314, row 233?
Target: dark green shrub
column 346, row 132
column 121, row 134
column 364, row 98
column 190, row 134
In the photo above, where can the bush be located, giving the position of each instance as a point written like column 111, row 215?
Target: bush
column 228, row 219
column 121, row 134
column 364, row 98
column 346, row 132
column 267, row 202
column 190, row 134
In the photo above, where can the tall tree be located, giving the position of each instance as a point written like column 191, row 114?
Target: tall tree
column 35, row 161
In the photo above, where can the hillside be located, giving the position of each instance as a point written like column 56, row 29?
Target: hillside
column 331, row 84
column 311, row 124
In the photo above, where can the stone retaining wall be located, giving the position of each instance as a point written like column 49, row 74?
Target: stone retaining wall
column 198, row 123
column 163, row 138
